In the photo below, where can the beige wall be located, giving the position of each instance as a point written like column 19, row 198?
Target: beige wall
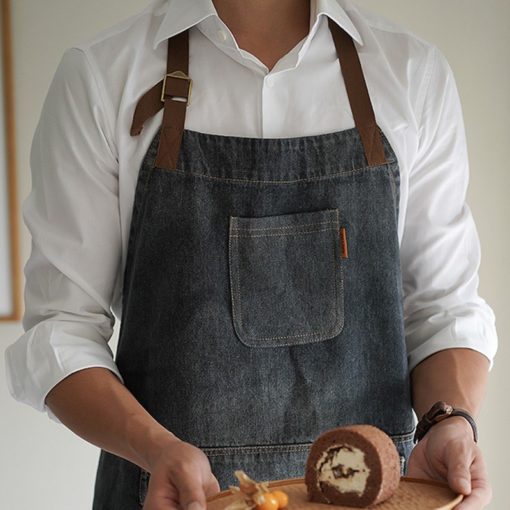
column 43, row 465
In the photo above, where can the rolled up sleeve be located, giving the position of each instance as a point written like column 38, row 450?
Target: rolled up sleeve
column 440, row 249
column 72, row 213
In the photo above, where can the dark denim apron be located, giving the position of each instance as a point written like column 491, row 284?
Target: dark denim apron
column 250, row 324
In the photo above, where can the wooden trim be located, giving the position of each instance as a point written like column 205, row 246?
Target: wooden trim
column 12, row 191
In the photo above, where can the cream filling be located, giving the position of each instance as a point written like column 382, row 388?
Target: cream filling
column 343, row 466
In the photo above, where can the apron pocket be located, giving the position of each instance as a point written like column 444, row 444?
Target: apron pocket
column 286, row 281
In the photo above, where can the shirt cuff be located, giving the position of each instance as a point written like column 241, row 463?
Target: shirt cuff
column 451, row 338
column 49, row 352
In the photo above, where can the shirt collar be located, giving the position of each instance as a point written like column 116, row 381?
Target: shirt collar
column 183, row 14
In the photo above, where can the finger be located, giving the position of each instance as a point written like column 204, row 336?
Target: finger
column 418, row 466
column 159, row 502
column 481, row 494
column 212, row 487
column 459, row 456
column 188, row 481
column 161, row 495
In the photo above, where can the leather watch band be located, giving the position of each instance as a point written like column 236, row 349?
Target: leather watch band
column 439, row 412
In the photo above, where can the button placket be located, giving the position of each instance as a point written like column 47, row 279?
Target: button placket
column 271, row 106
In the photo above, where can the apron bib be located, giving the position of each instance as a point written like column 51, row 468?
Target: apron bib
column 262, row 299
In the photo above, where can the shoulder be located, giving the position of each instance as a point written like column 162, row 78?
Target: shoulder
column 387, row 35
column 118, row 52
column 409, row 61
column 410, row 57
column 129, row 34
column 118, row 61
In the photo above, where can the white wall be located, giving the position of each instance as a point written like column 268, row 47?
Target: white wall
column 44, row 465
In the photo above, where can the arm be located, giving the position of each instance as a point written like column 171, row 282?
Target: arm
column 447, row 451
column 457, row 376
column 95, row 405
column 62, row 363
column 450, row 332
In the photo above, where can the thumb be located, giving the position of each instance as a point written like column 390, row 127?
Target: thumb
column 458, row 462
column 212, row 487
column 191, row 491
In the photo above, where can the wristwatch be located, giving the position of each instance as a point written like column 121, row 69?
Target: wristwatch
column 439, row 412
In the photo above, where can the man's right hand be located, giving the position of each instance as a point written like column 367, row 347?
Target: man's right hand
column 181, row 478
column 94, row 404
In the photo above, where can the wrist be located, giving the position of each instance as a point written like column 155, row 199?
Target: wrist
column 442, row 412
column 457, row 423
column 146, row 438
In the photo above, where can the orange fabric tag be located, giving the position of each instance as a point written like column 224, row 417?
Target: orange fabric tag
column 343, row 243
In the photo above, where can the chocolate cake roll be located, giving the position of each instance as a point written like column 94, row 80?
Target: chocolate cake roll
column 356, row 465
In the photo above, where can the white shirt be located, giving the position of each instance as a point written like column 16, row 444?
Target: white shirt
column 85, row 164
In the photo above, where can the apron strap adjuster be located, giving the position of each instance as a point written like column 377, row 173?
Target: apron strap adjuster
column 180, row 87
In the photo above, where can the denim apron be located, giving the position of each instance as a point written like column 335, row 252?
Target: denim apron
column 262, row 299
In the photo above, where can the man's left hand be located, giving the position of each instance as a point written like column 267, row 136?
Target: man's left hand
column 449, row 453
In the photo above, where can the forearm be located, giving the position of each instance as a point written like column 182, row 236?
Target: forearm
column 457, row 376
column 94, row 404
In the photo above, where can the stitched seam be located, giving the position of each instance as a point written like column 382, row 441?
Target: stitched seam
column 141, row 195
column 285, row 233
column 212, row 451
column 310, row 335
column 427, row 80
column 266, row 449
column 402, row 461
column 288, row 227
column 102, row 94
column 311, row 179
column 142, row 486
column 403, row 437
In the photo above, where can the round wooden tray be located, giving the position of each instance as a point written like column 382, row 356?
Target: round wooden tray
column 412, row 494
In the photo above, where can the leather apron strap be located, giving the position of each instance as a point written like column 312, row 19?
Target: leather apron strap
column 168, row 94
column 359, row 99
column 176, row 86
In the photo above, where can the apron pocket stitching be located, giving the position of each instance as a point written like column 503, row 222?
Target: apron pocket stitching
column 234, row 257
column 284, row 233
column 284, row 227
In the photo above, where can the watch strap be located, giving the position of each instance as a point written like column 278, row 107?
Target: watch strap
column 438, row 412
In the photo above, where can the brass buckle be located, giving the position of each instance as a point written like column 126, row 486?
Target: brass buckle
column 182, row 76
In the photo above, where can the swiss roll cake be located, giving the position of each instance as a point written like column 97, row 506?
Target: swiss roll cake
column 355, row 465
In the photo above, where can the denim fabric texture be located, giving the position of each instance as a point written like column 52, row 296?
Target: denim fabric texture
column 244, row 331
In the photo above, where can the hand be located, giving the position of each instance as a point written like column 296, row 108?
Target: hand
column 181, row 478
column 448, row 452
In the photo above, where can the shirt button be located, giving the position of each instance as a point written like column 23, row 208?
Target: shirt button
column 222, row 35
column 269, row 81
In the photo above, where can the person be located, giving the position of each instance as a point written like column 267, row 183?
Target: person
column 282, row 230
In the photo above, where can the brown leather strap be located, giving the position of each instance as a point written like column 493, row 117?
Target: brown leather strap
column 359, row 99
column 439, row 412
column 175, row 111
column 148, row 105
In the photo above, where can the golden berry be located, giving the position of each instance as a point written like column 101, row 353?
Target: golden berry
column 281, row 497
column 270, row 502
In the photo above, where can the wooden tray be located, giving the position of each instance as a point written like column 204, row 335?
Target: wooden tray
column 412, row 494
